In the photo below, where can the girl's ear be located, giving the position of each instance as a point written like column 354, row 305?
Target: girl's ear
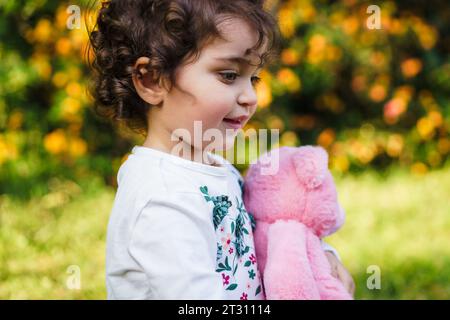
column 311, row 165
column 145, row 83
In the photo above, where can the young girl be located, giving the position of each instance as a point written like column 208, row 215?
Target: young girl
column 178, row 228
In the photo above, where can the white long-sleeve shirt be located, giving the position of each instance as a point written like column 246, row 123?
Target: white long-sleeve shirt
column 178, row 229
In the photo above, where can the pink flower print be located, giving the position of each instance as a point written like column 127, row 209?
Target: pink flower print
column 222, row 229
column 226, row 279
column 252, row 258
column 230, row 250
column 226, row 241
column 249, row 285
column 244, row 296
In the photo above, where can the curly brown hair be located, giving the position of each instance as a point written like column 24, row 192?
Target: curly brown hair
column 167, row 32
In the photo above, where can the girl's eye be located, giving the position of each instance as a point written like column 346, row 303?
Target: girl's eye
column 226, row 75
column 231, row 76
column 256, row 80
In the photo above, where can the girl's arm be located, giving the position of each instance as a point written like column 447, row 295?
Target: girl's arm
column 176, row 248
column 327, row 247
column 338, row 270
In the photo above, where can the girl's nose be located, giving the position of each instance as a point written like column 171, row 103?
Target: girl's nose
column 248, row 97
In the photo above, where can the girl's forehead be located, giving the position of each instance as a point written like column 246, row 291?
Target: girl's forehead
column 237, row 46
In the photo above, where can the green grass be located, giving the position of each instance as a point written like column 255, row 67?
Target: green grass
column 400, row 224
column 40, row 239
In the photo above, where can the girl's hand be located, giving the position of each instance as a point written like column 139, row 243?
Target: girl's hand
column 340, row 272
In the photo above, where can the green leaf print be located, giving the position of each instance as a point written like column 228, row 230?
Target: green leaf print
column 227, row 265
column 232, row 286
column 240, row 229
column 239, row 243
column 252, row 220
column 235, row 269
column 221, row 206
column 246, row 214
column 241, row 185
column 219, row 252
column 258, row 290
column 220, row 269
column 247, row 263
column 224, row 267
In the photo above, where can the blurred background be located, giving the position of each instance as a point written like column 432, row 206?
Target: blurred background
column 376, row 96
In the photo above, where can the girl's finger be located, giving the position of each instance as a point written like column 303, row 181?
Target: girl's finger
column 332, row 261
column 347, row 280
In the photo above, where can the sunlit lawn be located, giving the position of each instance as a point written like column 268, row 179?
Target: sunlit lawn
column 400, row 224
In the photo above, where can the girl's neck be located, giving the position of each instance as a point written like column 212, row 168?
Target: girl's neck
column 192, row 154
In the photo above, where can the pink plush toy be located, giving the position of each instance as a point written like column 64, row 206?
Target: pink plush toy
column 292, row 196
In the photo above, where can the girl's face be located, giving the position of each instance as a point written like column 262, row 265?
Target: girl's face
column 213, row 89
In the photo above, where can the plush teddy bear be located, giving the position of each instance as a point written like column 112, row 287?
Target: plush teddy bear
column 291, row 194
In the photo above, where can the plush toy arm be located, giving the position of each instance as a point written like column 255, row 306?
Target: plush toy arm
column 329, row 287
column 288, row 274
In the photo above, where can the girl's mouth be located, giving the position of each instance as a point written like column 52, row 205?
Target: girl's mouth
column 235, row 123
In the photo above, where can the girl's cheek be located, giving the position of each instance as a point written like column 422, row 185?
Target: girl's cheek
column 218, row 105
column 214, row 118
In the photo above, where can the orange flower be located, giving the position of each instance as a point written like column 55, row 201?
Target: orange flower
column 55, row 142
column 286, row 22
column 359, row 83
column 264, row 94
column 395, row 145
column 350, row 25
column 326, row 137
column 377, row 92
column 425, row 128
column 8, row 149
column 444, row 145
column 70, row 108
column 436, row 118
column 77, row 147
column 340, row 163
column 43, row 31
column 411, row 67
column 289, row 138
column 15, row 120
column 287, row 77
column 290, row 57
column 59, row 79
column 275, row 122
column 74, row 90
column 393, row 109
column 40, row 62
column 317, row 45
column 419, row 168
column 306, row 122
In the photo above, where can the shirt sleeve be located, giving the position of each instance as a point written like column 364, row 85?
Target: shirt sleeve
column 176, row 247
column 327, row 247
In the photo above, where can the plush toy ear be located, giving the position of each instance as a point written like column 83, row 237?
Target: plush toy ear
column 311, row 165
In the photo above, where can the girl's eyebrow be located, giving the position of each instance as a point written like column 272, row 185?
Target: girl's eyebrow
column 236, row 59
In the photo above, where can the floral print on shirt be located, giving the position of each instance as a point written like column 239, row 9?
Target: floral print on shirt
column 236, row 260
